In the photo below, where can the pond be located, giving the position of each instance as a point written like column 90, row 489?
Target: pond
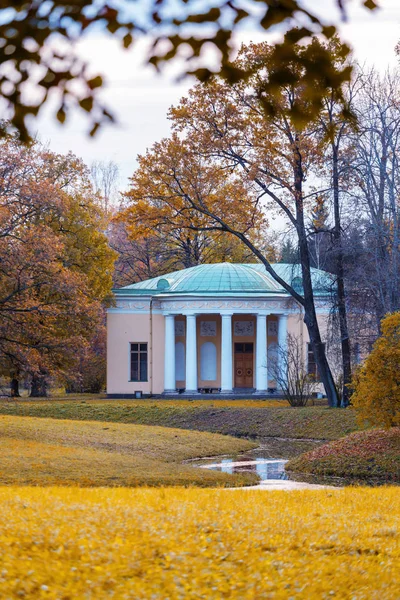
column 266, row 468
column 270, row 470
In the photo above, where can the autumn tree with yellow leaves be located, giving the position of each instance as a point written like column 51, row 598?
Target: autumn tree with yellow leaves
column 377, row 385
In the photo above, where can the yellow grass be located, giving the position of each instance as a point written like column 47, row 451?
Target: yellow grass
column 37, row 451
column 71, row 543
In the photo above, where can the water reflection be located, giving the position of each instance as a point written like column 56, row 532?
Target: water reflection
column 265, row 468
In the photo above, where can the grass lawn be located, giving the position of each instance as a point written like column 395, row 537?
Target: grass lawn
column 59, row 452
column 367, row 455
column 246, row 418
column 69, row 543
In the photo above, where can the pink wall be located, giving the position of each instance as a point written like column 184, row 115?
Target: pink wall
column 122, row 329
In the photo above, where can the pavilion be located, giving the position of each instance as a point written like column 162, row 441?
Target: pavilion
column 209, row 328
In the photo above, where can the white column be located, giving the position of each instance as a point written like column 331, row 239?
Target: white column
column 282, row 345
column 261, row 355
column 169, row 355
column 226, row 354
column 191, row 355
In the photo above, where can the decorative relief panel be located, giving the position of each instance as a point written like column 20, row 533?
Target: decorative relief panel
column 225, row 304
column 243, row 328
column 272, row 328
column 208, row 328
column 133, row 305
column 179, row 327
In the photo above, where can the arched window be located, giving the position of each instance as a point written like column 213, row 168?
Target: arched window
column 208, row 362
column 180, row 361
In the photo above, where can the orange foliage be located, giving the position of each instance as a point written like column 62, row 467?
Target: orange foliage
column 168, row 190
column 56, row 263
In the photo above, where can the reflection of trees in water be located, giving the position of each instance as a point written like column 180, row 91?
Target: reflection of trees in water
column 265, row 470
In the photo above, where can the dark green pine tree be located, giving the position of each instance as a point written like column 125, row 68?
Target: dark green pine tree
column 289, row 253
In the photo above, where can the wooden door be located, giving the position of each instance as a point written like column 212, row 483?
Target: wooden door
column 244, row 365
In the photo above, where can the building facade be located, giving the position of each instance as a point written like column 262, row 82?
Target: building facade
column 219, row 328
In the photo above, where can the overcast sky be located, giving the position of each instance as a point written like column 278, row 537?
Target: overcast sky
column 140, row 97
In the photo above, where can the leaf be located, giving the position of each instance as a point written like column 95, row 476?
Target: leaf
column 127, row 40
column 328, row 31
column 96, row 82
column 61, row 115
column 370, row 4
column 87, row 103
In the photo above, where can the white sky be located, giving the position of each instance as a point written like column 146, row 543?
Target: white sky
column 140, row 98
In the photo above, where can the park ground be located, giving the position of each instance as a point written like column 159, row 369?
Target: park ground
column 283, row 431
column 47, row 451
column 99, row 500
column 239, row 418
column 181, row 544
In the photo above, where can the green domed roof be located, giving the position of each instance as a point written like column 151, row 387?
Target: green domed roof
column 222, row 278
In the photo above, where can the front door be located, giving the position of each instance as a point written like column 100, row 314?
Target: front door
column 243, row 365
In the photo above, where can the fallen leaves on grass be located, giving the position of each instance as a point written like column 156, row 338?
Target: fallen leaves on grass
column 51, row 452
column 192, row 544
column 373, row 454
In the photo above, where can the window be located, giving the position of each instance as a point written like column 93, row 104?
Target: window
column 243, row 348
column 311, row 363
column 138, row 362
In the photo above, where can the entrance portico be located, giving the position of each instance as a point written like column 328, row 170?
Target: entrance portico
column 223, row 351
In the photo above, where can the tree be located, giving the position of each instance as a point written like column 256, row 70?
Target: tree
column 377, row 190
column 45, row 308
column 28, row 54
column 319, row 233
column 105, row 176
column 377, row 385
column 289, row 253
column 137, row 257
column 56, row 266
column 222, row 140
column 227, row 125
column 179, row 237
column 335, row 126
column 89, row 375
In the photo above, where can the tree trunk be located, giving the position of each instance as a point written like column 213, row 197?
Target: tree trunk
column 39, row 386
column 341, row 292
column 14, row 385
column 310, row 315
column 310, row 319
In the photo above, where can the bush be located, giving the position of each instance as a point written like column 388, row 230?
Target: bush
column 377, row 383
column 291, row 376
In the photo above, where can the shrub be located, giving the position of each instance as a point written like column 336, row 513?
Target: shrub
column 291, row 376
column 377, row 383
